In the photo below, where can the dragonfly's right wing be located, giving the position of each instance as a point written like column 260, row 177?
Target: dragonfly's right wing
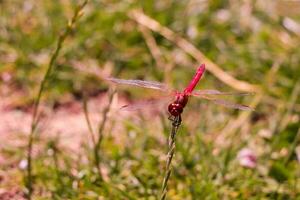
column 217, row 92
column 231, row 105
column 140, row 83
column 224, row 102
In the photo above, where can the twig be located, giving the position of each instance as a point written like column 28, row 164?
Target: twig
column 156, row 53
column 92, row 134
column 152, row 46
column 97, row 143
column 292, row 147
column 189, row 48
column 290, row 106
column 171, row 151
column 283, row 121
column 35, row 116
column 87, row 119
column 100, row 132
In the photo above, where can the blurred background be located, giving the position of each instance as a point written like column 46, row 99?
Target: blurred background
column 248, row 46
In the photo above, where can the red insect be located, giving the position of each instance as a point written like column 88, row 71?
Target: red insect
column 181, row 98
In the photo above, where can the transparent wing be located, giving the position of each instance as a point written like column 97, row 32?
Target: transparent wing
column 217, row 92
column 140, row 83
column 231, row 105
column 158, row 103
column 226, row 103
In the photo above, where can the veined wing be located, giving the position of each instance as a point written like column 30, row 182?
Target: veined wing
column 217, row 92
column 226, row 103
column 157, row 103
column 146, row 84
column 232, row 105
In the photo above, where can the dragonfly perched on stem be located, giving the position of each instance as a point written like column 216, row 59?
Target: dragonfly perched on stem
column 176, row 107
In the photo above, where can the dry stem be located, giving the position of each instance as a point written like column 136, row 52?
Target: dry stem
column 171, row 151
column 97, row 142
column 50, row 68
column 189, row 48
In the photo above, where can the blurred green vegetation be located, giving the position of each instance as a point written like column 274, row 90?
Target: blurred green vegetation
column 248, row 39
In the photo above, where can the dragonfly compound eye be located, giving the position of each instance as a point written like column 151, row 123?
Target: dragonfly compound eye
column 175, row 109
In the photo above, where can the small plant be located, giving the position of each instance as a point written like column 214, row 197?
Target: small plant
column 36, row 115
column 97, row 141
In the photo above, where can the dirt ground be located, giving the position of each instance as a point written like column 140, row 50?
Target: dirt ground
column 66, row 121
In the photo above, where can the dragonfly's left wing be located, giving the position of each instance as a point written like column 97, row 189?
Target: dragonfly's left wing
column 152, row 104
column 140, row 83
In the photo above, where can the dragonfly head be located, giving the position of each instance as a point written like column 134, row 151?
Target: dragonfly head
column 176, row 108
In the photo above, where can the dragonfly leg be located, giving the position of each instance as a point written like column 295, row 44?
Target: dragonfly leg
column 176, row 121
column 171, row 118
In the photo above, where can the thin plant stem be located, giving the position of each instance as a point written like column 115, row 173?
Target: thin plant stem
column 283, row 125
column 288, row 157
column 87, row 119
column 35, row 116
column 100, row 132
column 92, row 134
column 292, row 148
column 171, row 150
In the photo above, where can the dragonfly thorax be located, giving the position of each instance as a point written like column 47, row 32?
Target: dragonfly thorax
column 176, row 108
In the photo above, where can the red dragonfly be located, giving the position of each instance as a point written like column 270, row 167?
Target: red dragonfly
column 181, row 98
